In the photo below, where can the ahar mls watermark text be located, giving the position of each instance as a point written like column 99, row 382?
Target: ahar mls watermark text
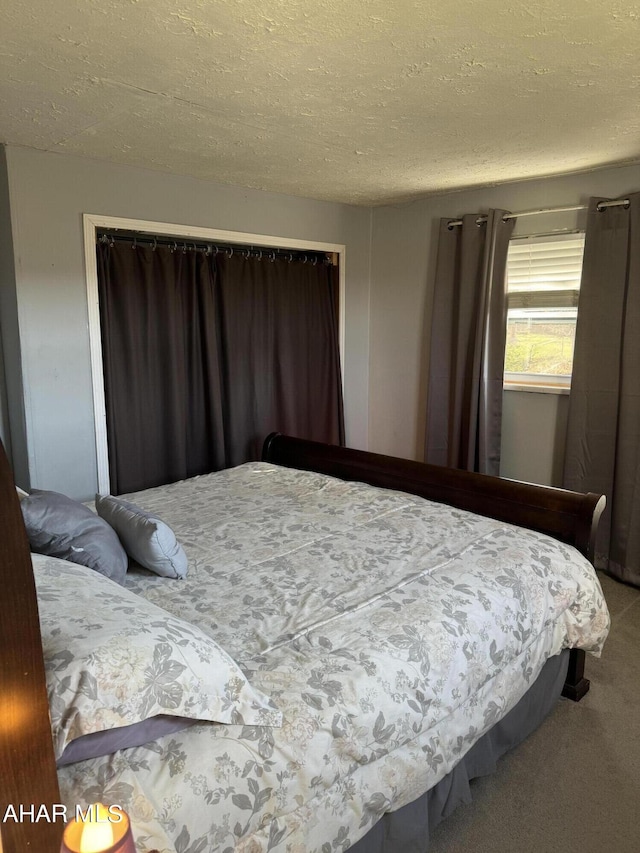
column 58, row 812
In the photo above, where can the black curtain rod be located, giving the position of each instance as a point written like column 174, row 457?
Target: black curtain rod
column 175, row 244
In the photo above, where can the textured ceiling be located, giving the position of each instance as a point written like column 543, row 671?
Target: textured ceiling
column 360, row 101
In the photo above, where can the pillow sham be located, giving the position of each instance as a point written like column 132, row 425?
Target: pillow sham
column 61, row 527
column 146, row 538
column 126, row 737
column 113, row 659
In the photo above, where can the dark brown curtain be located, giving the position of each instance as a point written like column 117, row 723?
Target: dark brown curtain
column 280, row 339
column 161, row 355
column 603, row 432
column 204, row 356
column 468, row 333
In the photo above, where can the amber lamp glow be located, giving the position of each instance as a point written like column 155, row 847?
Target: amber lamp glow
column 103, row 831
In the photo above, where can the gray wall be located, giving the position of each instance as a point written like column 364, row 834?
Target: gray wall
column 404, row 242
column 49, row 193
column 10, row 386
column 390, row 266
column 534, row 429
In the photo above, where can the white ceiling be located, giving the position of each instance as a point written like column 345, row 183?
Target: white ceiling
column 359, row 101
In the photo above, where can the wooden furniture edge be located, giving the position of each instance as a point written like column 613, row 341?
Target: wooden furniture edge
column 27, row 762
column 569, row 516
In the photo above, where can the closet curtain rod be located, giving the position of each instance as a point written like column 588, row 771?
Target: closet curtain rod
column 267, row 253
column 603, row 205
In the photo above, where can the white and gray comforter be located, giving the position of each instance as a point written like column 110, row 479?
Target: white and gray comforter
column 390, row 631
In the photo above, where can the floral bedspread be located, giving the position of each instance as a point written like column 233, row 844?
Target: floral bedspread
column 391, row 632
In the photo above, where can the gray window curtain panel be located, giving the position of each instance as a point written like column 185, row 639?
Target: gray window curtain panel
column 468, row 333
column 603, row 431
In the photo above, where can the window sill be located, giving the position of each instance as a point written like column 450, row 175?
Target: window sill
column 536, row 389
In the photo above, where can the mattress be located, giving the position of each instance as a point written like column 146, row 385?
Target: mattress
column 391, row 632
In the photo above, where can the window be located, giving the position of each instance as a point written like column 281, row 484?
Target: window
column 543, row 283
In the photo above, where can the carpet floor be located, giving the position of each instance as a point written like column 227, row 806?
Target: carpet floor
column 573, row 785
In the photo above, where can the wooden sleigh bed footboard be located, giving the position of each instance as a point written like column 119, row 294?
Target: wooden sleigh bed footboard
column 568, row 516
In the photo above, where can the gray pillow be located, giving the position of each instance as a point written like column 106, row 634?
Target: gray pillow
column 61, row 527
column 147, row 539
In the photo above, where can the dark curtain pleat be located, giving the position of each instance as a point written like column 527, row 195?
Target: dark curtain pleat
column 468, row 333
column 205, row 356
column 281, row 357
column 161, row 365
column 603, row 431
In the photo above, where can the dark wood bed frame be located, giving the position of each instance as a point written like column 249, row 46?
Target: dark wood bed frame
column 27, row 763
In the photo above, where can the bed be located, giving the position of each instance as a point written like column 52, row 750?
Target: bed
column 387, row 649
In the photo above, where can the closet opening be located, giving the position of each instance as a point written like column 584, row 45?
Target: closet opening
column 203, row 343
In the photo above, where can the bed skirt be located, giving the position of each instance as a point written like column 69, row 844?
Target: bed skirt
column 407, row 830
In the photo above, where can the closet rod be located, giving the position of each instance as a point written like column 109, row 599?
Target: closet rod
column 601, row 206
column 180, row 244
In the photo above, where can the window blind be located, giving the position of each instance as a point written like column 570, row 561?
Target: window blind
column 544, row 272
column 545, row 263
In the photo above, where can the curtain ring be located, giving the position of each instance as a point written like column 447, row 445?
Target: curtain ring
column 247, row 254
column 260, row 254
column 184, row 248
column 155, row 243
column 135, row 244
column 290, row 257
column 314, row 260
column 230, row 251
